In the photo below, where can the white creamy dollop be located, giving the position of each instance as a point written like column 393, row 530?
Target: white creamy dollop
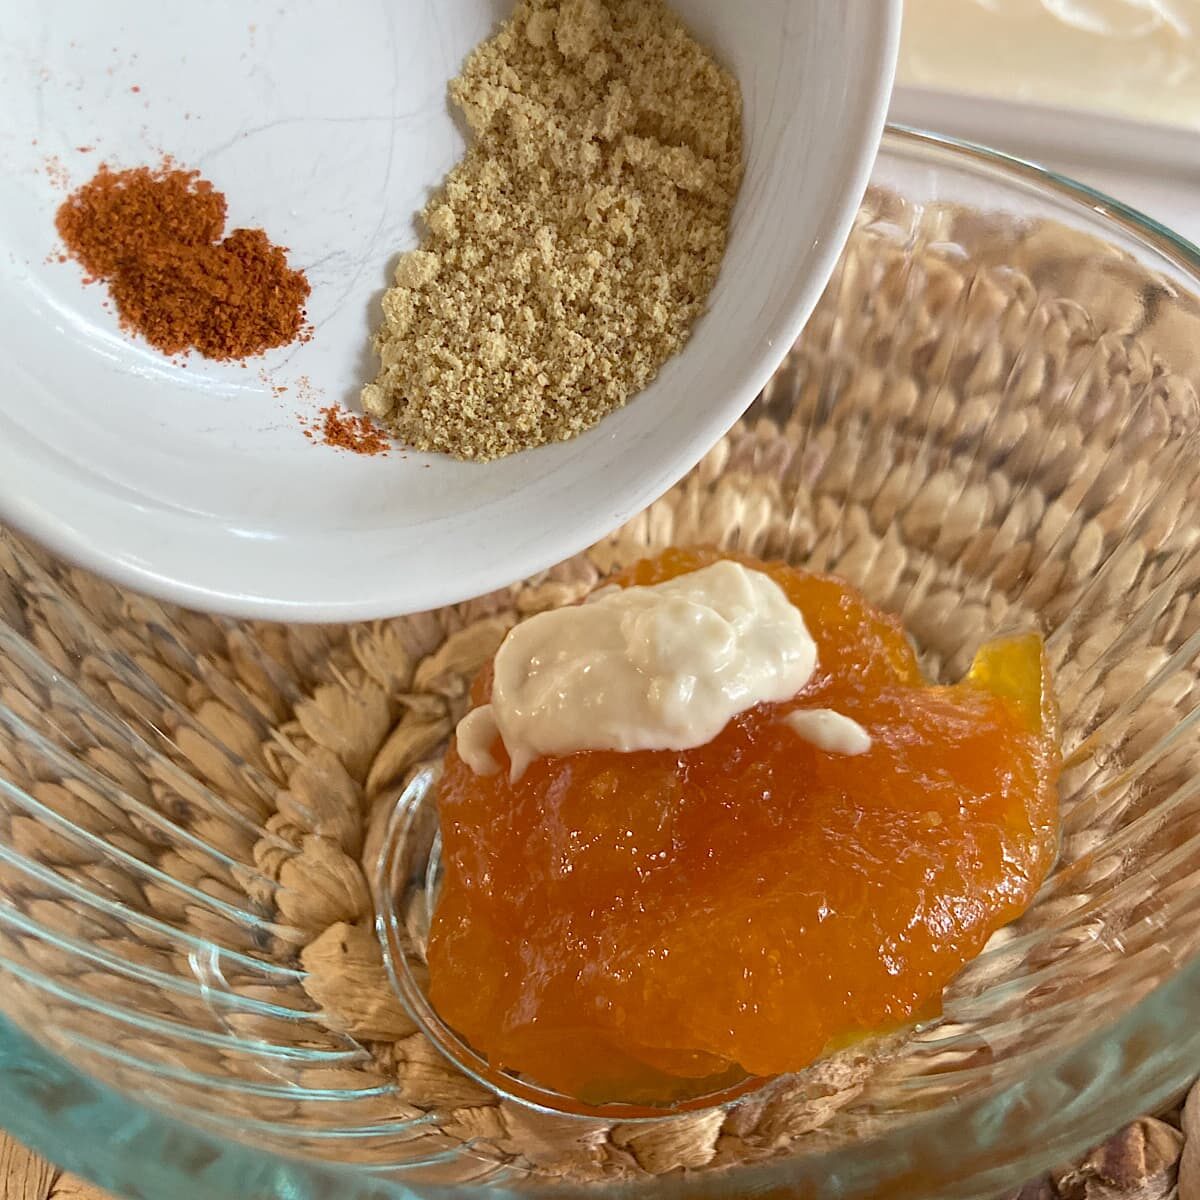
column 477, row 734
column 829, row 730
column 641, row 668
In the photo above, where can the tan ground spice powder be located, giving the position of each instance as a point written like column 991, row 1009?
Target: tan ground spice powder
column 574, row 246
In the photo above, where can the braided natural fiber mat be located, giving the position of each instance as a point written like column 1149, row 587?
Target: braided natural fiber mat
column 1154, row 1158
column 956, row 434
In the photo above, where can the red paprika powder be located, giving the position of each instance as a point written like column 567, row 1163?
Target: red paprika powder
column 155, row 237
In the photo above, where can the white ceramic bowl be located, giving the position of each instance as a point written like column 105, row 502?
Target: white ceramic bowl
column 327, row 124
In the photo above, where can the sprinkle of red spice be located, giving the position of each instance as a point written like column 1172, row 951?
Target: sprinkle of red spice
column 334, row 426
column 54, row 170
column 347, row 431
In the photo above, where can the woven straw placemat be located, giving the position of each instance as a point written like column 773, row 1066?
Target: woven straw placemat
column 1154, row 1158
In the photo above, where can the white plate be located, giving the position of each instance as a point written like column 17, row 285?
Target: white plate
column 325, row 122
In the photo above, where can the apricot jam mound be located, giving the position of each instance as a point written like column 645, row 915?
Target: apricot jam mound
column 637, row 925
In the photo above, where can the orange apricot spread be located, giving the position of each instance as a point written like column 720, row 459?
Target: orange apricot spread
column 639, row 926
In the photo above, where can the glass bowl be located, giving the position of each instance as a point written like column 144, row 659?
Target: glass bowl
column 990, row 420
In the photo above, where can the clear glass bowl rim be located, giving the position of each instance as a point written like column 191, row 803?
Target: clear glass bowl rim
column 90, row 1129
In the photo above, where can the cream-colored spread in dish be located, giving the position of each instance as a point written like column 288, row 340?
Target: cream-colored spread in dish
column 644, row 668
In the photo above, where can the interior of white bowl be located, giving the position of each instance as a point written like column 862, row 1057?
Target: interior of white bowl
column 990, row 420
column 193, row 480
